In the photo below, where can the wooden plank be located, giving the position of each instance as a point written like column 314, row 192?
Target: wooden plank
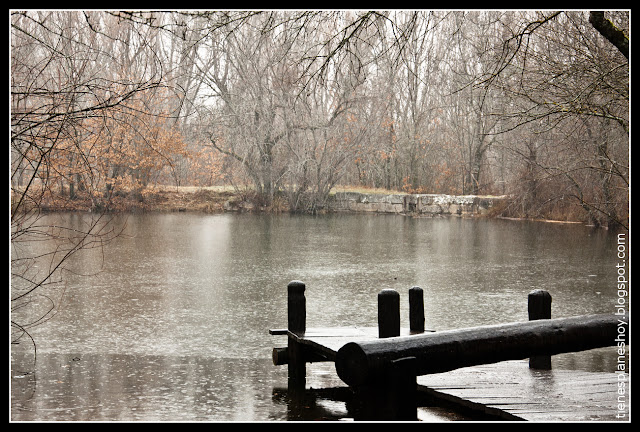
column 513, row 391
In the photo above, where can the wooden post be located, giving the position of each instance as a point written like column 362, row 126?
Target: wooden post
column 296, row 307
column 392, row 396
column 539, row 305
column 403, row 389
column 416, row 310
column 388, row 313
column 296, row 323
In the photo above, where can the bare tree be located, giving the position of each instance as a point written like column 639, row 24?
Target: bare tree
column 414, row 88
column 570, row 84
column 64, row 74
column 273, row 113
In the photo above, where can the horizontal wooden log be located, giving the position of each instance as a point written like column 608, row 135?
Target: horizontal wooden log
column 360, row 363
column 280, row 356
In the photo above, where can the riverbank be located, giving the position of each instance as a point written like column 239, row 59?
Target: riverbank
column 162, row 199
column 345, row 199
column 219, row 199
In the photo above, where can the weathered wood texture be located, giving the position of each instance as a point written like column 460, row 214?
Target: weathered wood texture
column 539, row 307
column 296, row 324
column 296, row 307
column 508, row 390
column 388, row 313
column 358, row 363
column 512, row 391
column 328, row 340
column 383, row 364
column 416, row 309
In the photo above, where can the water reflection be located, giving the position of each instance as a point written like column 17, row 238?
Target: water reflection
column 149, row 388
column 171, row 321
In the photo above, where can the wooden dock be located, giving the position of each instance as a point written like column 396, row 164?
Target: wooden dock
column 499, row 371
column 508, row 390
column 512, row 391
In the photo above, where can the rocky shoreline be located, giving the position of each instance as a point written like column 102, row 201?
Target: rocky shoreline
column 211, row 200
column 416, row 204
column 216, row 200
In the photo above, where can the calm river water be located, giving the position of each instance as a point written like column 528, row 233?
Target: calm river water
column 170, row 321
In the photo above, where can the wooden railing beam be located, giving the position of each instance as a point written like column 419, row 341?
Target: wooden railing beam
column 360, row 363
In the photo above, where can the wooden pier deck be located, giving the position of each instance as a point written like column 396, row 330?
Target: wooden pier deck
column 512, row 391
column 502, row 370
column 508, row 390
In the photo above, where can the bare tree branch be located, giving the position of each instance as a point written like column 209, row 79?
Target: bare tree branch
column 610, row 32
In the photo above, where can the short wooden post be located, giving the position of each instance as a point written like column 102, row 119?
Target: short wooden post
column 416, row 310
column 296, row 323
column 403, row 388
column 388, row 313
column 296, row 307
column 392, row 395
column 539, row 305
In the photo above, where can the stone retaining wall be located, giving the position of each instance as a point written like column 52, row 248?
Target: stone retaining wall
column 415, row 204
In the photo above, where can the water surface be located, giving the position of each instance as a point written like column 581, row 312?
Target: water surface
column 170, row 321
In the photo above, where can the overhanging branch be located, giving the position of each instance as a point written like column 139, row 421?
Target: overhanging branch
column 610, row 32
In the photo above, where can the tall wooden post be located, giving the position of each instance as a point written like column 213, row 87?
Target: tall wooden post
column 388, row 313
column 416, row 310
column 539, row 305
column 296, row 323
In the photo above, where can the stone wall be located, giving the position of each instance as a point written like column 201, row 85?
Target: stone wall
column 414, row 204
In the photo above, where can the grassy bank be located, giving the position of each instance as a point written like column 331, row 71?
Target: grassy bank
column 161, row 199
